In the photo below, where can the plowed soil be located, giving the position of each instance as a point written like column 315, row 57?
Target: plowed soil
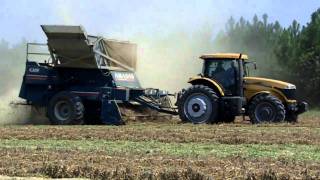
column 164, row 150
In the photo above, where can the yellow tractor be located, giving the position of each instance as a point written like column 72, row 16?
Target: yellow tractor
column 225, row 90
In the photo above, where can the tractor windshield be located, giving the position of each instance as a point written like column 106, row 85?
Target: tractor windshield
column 223, row 71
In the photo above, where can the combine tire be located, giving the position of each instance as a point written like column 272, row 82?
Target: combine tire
column 198, row 104
column 265, row 109
column 65, row 108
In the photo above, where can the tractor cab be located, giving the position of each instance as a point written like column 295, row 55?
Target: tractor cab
column 227, row 70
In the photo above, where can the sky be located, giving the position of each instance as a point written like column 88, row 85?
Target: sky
column 123, row 19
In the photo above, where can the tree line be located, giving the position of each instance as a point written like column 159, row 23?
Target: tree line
column 287, row 53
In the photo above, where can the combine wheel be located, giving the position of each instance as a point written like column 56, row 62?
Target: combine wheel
column 198, row 104
column 65, row 108
column 266, row 108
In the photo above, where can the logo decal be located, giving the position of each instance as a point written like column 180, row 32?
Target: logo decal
column 121, row 76
column 34, row 70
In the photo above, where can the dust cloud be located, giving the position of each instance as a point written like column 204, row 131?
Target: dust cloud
column 168, row 61
column 14, row 113
column 11, row 70
column 164, row 61
column 11, row 114
column 12, row 65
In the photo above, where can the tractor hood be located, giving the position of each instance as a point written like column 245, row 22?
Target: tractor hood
column 268, row 83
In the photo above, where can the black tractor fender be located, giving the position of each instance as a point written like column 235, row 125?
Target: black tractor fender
column 273, row 92
column 261, row 93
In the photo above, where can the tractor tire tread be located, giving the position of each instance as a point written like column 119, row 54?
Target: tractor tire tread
column 280, row 109
column 77, row 117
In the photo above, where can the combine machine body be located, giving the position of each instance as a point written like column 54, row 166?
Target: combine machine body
column 85, row 78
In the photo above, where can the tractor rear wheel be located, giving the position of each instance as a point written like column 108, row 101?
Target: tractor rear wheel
column 265, row 109
column 198, row 104
column 65, row 108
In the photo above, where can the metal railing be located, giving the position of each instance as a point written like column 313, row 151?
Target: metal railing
column 36, row 53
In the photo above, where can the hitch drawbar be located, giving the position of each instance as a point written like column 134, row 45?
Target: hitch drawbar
column 154, row 99
column 150, row 103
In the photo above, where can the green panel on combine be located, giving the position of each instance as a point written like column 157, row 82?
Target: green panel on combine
column 73, row 48
column 124, row 52
column 70, row 46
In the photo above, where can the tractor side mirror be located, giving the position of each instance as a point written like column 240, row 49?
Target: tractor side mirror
column 200, row 74
column 252, row 63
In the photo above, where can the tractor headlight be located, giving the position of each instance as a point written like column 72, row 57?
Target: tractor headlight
column 291, row 86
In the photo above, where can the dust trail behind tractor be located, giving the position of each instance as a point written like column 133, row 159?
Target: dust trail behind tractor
column 86, row 78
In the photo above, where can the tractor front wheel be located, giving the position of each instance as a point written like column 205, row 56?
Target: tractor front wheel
column 266, row 108
column 65, row 108
column 198, row 104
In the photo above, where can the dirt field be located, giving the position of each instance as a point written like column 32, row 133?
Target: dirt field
column 164, row 150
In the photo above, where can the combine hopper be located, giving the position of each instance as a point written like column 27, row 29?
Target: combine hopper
column 86, row 78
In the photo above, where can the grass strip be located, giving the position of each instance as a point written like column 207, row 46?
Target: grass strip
column 290, row 151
